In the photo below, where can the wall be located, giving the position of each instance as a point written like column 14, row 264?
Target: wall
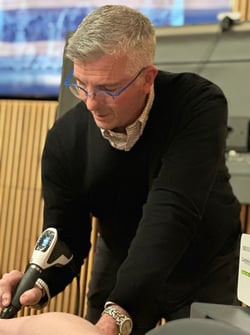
column 223, row 57
column 23, row 127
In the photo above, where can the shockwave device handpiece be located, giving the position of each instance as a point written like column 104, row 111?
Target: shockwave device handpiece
column 49, row 251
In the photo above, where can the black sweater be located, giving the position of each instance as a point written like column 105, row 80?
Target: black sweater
column 166, row 207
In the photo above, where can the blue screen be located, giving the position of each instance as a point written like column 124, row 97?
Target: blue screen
column 32, row 37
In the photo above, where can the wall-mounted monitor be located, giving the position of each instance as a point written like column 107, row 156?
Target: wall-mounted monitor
column 32, row 36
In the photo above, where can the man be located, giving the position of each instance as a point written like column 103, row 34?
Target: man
column 143, row 152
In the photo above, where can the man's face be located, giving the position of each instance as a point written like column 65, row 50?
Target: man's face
column 109, row 73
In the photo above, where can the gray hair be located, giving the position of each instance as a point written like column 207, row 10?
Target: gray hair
column 114, row 30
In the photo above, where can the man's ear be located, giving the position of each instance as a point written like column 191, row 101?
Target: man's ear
column 149, row 77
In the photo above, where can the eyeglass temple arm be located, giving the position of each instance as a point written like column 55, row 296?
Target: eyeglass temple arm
column 67, row 81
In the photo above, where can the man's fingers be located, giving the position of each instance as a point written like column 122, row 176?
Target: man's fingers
column 8, row 283
column 11, row 278
column 31, row 297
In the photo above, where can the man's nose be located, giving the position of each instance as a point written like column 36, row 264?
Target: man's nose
column 93, row 101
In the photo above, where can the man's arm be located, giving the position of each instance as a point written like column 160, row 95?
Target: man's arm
column 179, row 193
column 65, row 205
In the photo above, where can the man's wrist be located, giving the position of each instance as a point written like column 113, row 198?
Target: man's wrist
column 120, row 316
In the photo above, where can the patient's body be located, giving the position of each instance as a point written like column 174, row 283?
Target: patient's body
column 52, row 323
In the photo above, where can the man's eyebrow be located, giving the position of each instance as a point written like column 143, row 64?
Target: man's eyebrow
column 78, row 79
column 99, row 84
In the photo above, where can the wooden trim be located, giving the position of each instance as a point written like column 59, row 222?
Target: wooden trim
column 242, row 6
column 245, row 218
column 23, row 128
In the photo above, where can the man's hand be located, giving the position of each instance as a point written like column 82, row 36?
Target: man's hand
column 107, row 325
column 8, row 284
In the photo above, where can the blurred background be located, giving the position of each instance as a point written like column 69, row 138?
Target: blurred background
column 33, row 33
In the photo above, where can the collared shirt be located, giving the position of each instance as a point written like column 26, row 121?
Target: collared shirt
column 125, row 141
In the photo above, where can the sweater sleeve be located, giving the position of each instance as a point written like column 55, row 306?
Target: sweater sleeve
column 179, row 193
column 65, row 204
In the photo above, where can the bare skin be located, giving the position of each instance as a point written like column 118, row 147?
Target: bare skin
column 49, row 324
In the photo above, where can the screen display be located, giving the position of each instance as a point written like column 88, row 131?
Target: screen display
column 45, row 240
column 32, row 36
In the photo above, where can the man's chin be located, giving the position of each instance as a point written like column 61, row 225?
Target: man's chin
column 104, row 125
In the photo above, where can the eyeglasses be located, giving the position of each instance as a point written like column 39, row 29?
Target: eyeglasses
column 81, row 93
